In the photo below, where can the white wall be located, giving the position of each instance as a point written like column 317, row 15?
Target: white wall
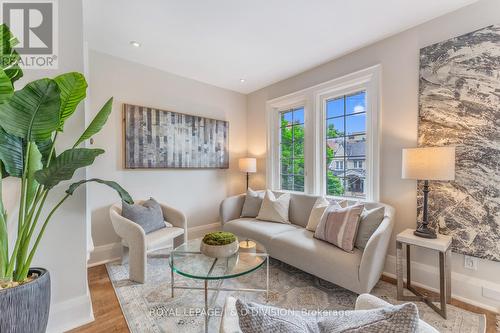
column 197, row 193
column 399, row 57
column 63, row 248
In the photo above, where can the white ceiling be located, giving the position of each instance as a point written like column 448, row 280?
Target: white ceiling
column 263, row 41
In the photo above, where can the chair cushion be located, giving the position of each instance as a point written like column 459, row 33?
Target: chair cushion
column 160, row 239
column 147, row 214
column 260, row 231
column 299, row 248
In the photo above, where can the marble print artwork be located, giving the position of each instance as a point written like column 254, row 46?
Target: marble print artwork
column 163, row 139
column 459, row 104
column 150, row 308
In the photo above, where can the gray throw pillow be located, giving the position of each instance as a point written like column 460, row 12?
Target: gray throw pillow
column 370, row 221
column 148, row 215
column 251, row 206
column 256, row 318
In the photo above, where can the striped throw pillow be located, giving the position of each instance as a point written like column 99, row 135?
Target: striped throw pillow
column 340, row 226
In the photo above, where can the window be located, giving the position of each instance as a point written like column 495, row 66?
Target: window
column 346, row 145
column 292, row 149
column 323, row 140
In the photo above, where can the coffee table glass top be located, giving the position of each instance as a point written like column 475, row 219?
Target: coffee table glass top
column 187, row 260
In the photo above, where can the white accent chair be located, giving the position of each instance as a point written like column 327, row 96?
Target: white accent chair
column 136, row 244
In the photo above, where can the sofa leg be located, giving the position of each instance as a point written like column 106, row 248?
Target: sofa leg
column 124, row 255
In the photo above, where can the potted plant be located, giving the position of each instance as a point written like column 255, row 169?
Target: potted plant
column 219, row 244
column 30, row 120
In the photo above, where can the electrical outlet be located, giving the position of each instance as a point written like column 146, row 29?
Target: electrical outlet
column 470, row 263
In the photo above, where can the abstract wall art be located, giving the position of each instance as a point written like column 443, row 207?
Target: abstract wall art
column 459, row 104
column 157, row 138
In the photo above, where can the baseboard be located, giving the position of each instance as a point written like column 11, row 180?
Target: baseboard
column 70, row 314
column 464, row 288
column 103, row 254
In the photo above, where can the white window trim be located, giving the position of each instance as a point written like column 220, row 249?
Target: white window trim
column 313, row 99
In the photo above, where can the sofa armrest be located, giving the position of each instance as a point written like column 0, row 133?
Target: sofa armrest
column 374, row 255
column 175, row 217
column 231, row 207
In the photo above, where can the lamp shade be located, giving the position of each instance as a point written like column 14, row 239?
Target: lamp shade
column 429, row 163
column 248, row 164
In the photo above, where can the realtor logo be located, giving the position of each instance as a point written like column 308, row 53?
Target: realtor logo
column 34, row 24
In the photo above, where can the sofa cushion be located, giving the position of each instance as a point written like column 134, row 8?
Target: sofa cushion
column 299, row 248
column 275, row 208
column 260, row 231
column 253, row 201
column 340, row 226
column 369, row 222
column 300, row 208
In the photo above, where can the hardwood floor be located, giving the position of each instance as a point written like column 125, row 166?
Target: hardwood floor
column 107, row 312
column 109, row 317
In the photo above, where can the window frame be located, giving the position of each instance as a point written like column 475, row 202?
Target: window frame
column 313, row 100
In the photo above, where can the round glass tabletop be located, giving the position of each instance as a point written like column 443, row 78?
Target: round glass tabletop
column 187, row 260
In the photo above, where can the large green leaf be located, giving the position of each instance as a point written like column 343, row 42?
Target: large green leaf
column 12, row 153
column 34, row 164
column 32, row 112
column 6, row 87
column 44, row 147
column 97, row 123
column 121, row 192
column 73, row 90
column 64, row 166
column 9, row 57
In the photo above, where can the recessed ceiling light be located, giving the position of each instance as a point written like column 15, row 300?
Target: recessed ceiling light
column 135, row 43
column 242, row 80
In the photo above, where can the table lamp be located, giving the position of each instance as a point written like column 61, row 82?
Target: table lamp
column 428, row 163
column 248, row 165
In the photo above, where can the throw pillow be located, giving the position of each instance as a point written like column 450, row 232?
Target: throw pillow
column 148, row 215
column 317, row 211
column 369, row 222
column 256, row 318
column 251, row 206
column 275, row 209
column 339, row 226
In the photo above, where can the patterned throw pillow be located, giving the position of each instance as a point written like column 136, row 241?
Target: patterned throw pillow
column 275, row 209
column 251, row 206
column 340, row 226
column 148, row 215
column 319, row 209
column 256, row 318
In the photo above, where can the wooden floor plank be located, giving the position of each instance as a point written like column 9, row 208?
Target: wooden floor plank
column 107, row 312
column 109, row 317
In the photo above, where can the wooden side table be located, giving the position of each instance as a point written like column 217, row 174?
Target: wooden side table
column 442, row 244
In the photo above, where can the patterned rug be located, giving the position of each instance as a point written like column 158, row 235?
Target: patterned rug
column 149, row 307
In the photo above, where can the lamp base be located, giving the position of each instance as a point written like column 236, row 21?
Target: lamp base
column 424, row 232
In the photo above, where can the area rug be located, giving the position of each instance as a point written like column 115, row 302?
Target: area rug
column 149, row 307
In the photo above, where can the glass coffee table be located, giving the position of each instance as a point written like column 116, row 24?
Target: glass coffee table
column 188, row 261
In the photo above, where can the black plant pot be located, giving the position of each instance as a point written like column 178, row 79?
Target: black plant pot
column 25, row 308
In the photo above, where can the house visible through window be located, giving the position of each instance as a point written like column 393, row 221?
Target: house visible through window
column 346, row 145
column 292, row 149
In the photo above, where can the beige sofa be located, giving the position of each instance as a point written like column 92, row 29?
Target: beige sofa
column 230, row 321
column 293, row 244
